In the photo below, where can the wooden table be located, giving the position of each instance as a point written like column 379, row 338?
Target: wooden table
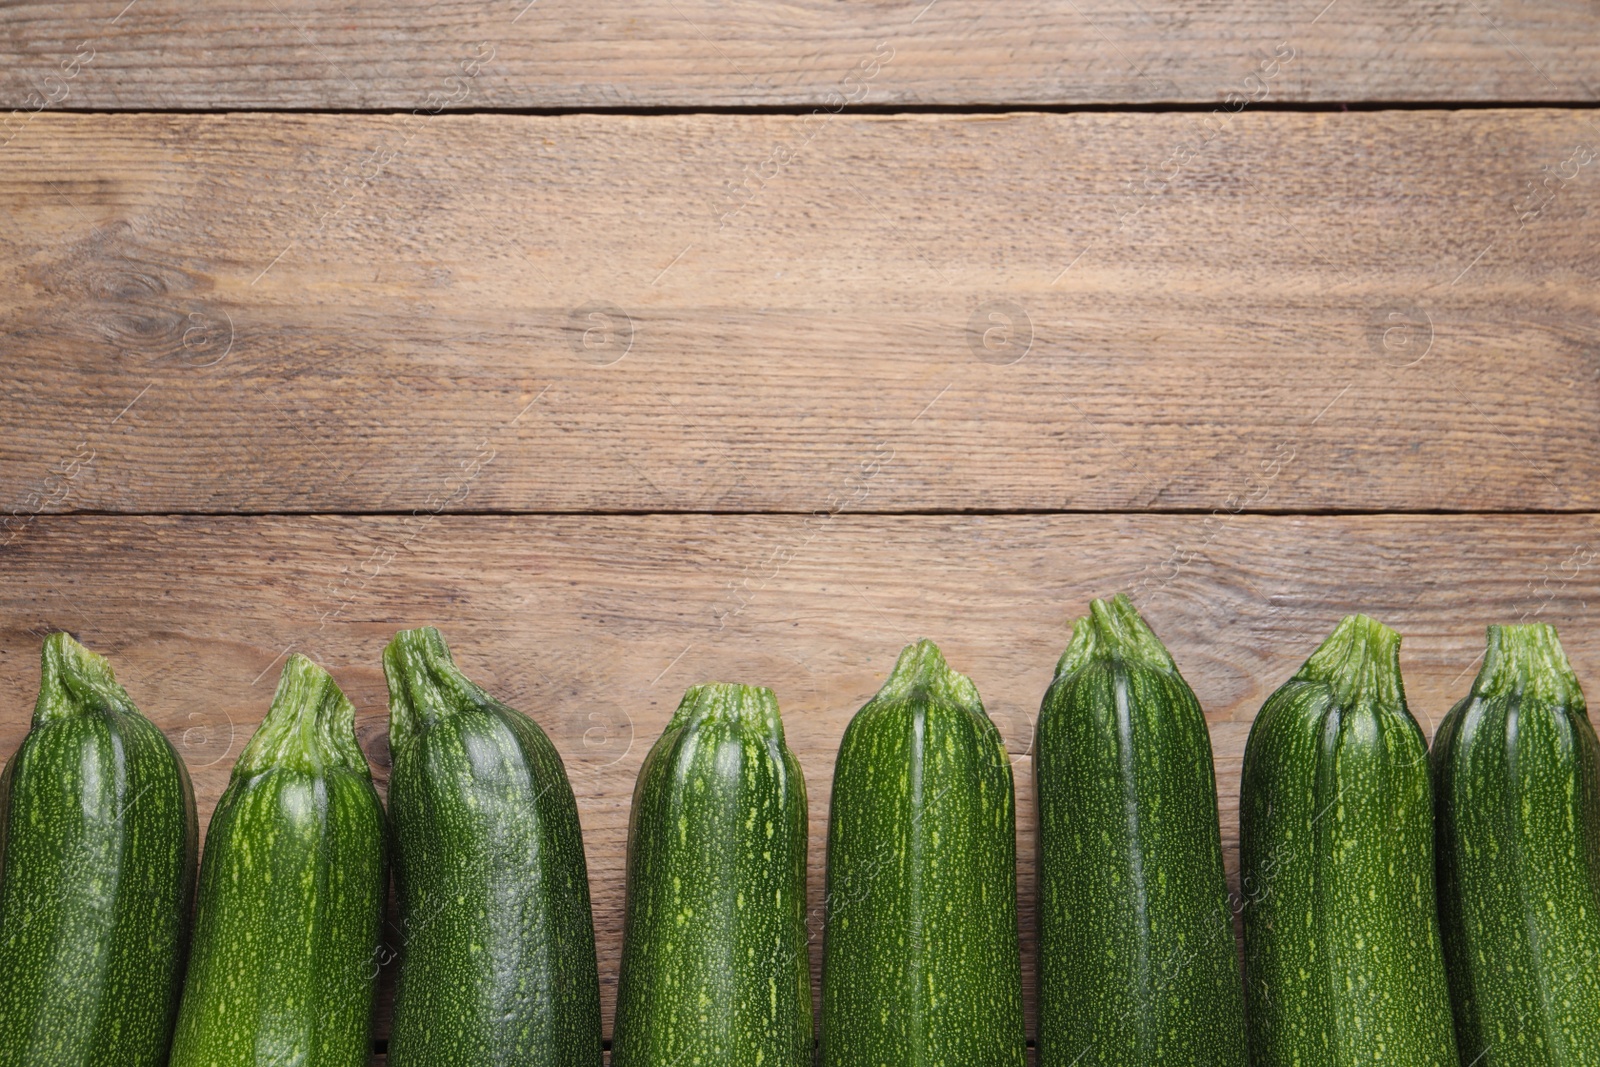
column 647, row 345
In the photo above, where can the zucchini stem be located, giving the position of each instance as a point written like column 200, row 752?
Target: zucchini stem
column 1359, row 663
column 73, row 681
column 1528, row 660
column 921, row 672
column 753, row 705
column 425, row 685
column 1114, row 630
column 311, row 726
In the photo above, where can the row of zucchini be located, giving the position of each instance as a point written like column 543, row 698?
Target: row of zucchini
column 1351, row 956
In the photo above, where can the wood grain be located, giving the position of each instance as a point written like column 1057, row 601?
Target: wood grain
column 564, row 53
column 343, row 313
column 595, row 625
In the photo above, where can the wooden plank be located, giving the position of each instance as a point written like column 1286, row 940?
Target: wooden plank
column 564, row 53
column 595, row 625
column 340, row 313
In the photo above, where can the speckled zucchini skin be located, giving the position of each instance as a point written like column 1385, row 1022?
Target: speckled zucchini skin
column 97, row 864
column 1517, row 804
column 292, row 891
column 496, row 942
column 921, row 965
column 715, row 970
column 1343, row 963
column 1137, row 959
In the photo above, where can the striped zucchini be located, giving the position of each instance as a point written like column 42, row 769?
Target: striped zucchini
column 97, row 861
column 292, row 891
column 1137, row 959
column 920, row 958
column 1342, row 955
column 715, row 969
column 497, row 959
column 1517, row 798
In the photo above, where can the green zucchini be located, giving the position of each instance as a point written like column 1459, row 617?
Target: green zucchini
column 715, row 968
column 97, row 864
column 497, row 959
column 1517, row 800
column 1137, row 959
column 920, row 961
column 292, row 891
column 1343, row 964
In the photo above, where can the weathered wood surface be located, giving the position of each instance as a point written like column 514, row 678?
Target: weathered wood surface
column 566, row 53
column 595, row 625
column 1278, row 311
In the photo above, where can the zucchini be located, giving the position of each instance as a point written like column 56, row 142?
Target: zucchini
column 292, row 891
column 1137, row 959
column 1342, row 957
column 497, row 958
column 715, row 967
column 920, row 959
column 97, row 864
column 1517, row 800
